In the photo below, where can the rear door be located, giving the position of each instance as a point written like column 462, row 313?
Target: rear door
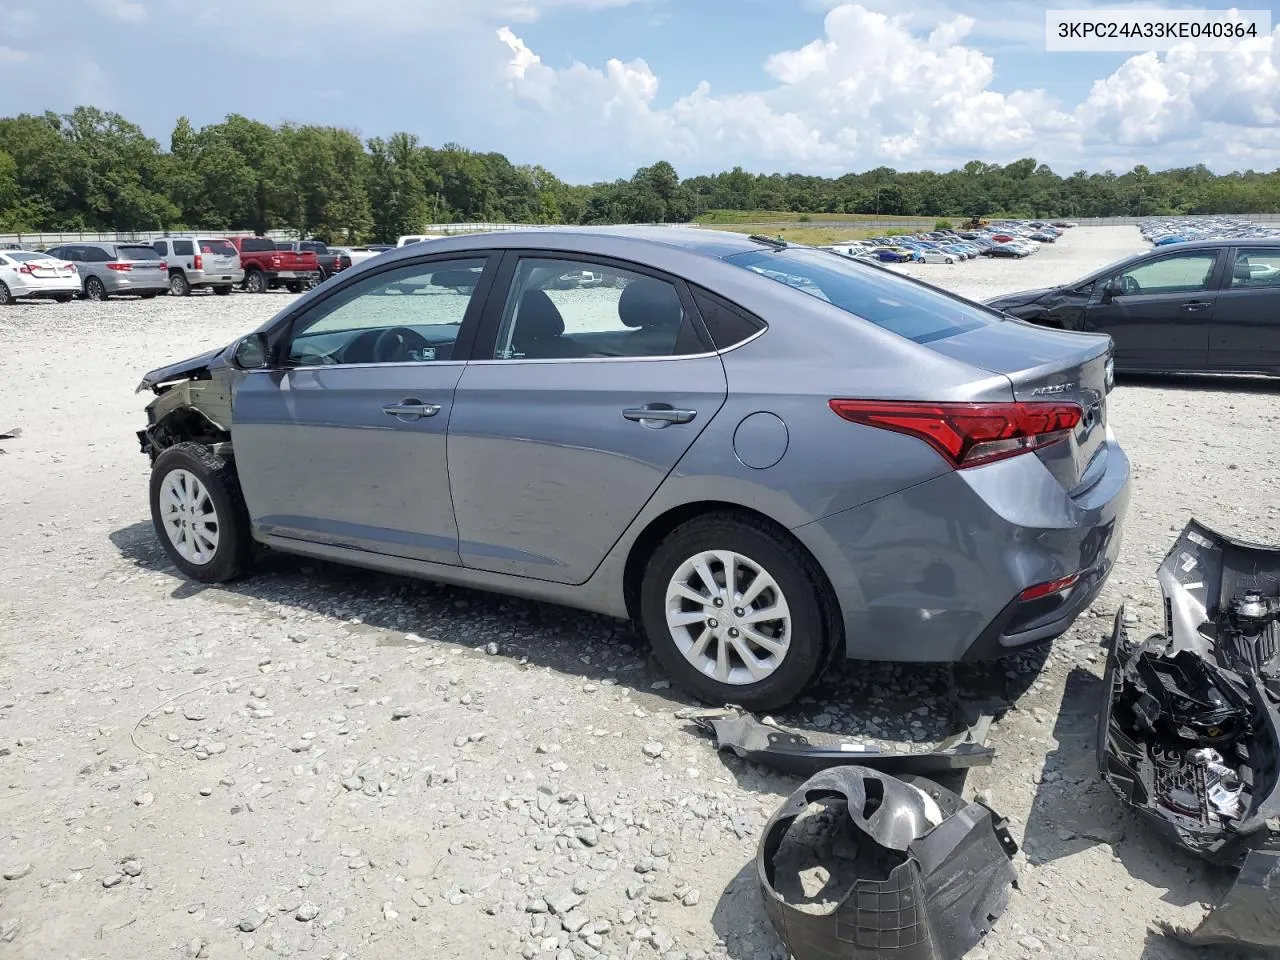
column 578, row 404
column 1159, row 317
column 343, row 441
column 218, row 258
column 1244, row 334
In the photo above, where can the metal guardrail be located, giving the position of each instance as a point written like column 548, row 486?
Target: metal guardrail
column 52, row 238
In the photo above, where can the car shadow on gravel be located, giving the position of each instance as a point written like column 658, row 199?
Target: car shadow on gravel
column 905, row 705
column 1075, row 811
column 1202, row 382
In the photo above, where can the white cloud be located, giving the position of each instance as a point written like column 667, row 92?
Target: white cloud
column 882, row 88
column 11, row 55
column 126, row 10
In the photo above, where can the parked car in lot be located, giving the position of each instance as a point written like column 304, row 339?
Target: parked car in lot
column 266, row 268
column 361, row 254
column 196, row 262
column 417, row 238
column 1200, row 306
column 765, row 454
column 330, row 261
column 26, row 275
column 108, row 269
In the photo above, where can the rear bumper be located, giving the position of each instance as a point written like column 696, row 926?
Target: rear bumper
column 294, row 274
column 45, row 291
column 120, row 283
column 215, row 278
column 933, row 573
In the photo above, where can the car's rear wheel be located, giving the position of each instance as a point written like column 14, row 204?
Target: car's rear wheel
column 736, row 611
column 293, row 286
column 199, row 514
column 222, row 289
column 94, row 290
column 179, row 286
column 256, row 282
column 6, row 295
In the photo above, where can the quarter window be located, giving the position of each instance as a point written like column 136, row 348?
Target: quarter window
column 568, row 310
column 1256, row 267
column 1188, row 273
column 406, row 315
column 183, row 248
column 161, row 247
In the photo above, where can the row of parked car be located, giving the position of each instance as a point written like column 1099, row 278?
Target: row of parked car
column 1005, row 239
column 1162, row 231
column 176, row 265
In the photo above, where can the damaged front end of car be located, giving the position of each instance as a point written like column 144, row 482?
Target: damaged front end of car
column 193, row 402
column 1189, row 735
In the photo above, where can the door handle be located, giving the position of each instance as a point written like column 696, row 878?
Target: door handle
column 411, row 409
column 1193, row 305
column 661, row 412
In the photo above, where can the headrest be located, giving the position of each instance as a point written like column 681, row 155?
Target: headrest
column 1242, row 271
column 537, row 318
column 646, row 302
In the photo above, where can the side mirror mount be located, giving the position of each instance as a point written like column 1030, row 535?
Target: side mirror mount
column 250, row 353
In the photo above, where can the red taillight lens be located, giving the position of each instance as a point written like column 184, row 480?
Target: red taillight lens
column 968, row 434
column 117, row 265
column 198, row 263
column 1046, row 589
column 27, row 269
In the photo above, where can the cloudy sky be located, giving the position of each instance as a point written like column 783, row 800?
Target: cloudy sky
column 592, row 89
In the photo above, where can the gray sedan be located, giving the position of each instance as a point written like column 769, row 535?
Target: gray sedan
column 767, row 455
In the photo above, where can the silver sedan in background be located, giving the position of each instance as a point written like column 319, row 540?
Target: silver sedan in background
column 765, row 454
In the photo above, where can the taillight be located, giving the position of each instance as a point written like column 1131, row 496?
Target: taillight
column 118, row 265
column 968, row 434
column 1046, row 589
column 27, row 269
column 198, row 263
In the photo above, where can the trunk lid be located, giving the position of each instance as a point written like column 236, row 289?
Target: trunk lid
column 1049, row 365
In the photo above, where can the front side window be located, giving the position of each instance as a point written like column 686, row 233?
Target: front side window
column 1256, row 267
column 915, row 311
column 1185, row 273
column 183, row 248
column 410, row 314
column 569, row 310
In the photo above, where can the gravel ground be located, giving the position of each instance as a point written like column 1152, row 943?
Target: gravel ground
column 332, row 763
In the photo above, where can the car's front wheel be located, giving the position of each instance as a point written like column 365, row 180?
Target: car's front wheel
column 736, row 611
column 199, row 513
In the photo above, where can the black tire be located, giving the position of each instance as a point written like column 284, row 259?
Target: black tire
column 222, row 289
column 814, row 625
column 6, row 295
column 94, row 289
column 218, row 475
column 294, row 286
column 179, row 285
column 256, row 282
column 64, row 298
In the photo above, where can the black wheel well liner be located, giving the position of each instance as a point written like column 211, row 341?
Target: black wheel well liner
column 660, row 526
column 184, row 424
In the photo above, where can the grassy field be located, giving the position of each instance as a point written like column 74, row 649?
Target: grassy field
column 731, row 217
column 808, row 233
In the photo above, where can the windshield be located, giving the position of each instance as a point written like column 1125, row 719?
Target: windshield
column 912, row 310
column 136, row 253
column 221, row 248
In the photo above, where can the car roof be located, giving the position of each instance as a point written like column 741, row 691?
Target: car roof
column 597, row 239
column 1226, row 242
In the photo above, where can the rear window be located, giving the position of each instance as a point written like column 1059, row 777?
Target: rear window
column 221, row 248
column 257, row 245
column 22, row 255
column 909, row 309
column 136, row 253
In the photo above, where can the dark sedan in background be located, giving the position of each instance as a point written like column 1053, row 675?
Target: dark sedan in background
column 1206, row 306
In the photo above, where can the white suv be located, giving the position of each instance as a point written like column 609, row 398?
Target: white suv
column 197, row 261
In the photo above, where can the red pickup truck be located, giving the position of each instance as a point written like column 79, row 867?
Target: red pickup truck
column 266, row 268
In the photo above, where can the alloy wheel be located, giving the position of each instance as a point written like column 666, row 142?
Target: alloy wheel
column 728, row 617
column 189, row 517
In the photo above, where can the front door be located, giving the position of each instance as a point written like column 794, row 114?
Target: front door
column 344, row 444
column 596, row 382
column 1158, row 311
column 1245, row 333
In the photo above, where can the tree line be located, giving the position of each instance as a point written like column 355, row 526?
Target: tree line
column 94, row 170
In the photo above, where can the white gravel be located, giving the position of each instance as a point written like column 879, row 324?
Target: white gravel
column 333, row 763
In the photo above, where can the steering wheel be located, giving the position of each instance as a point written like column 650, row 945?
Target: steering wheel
column 1129, row 286
column 397, row 345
